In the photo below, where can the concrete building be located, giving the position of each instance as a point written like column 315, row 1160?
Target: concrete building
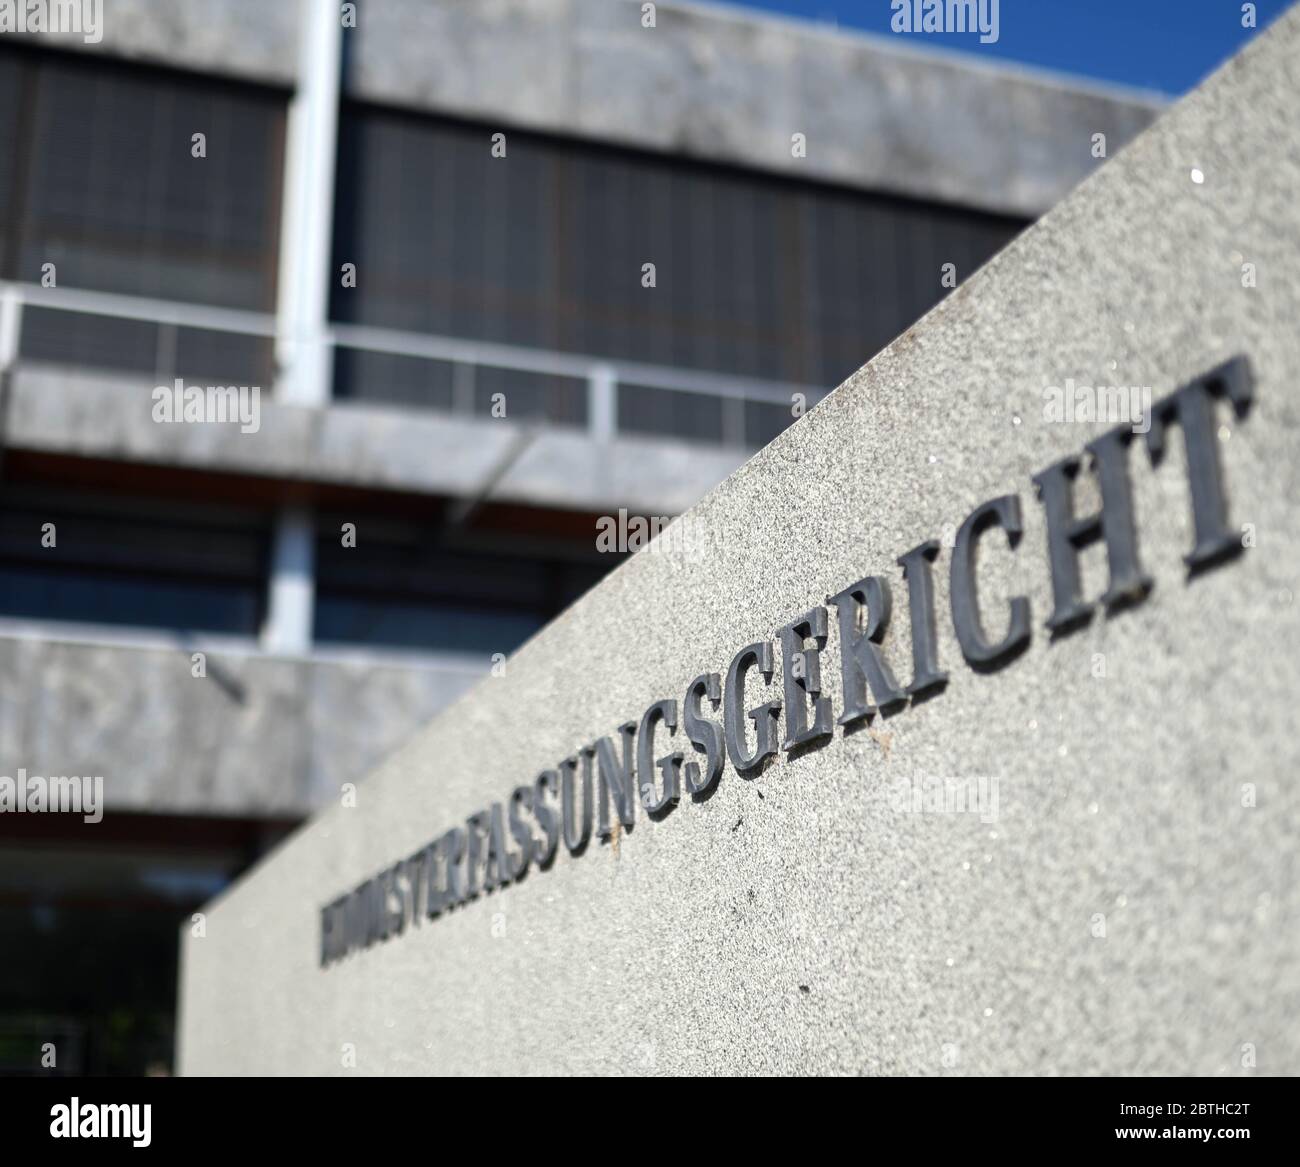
column 496, row 271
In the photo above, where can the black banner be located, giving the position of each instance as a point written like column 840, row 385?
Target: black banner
column 979, row 1116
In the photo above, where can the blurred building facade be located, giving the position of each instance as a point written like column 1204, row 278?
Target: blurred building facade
column 396, row 232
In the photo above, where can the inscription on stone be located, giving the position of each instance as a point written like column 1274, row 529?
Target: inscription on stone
column 498, row 844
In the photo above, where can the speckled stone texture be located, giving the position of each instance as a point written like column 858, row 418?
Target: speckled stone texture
column 802, row 921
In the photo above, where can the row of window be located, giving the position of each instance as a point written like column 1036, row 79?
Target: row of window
column 98, row 176
column 547, row 247
column 753, row 275
column 204, row 569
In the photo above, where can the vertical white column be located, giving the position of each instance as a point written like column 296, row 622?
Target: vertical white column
column 11, row 327
column 602, row 403
column 11, row 314
column 292, row 596
column 304, row 358
column 306, row 219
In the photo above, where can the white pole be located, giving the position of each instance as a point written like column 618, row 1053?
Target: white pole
column 306, row 220
column 291, row 604
column 304, row 357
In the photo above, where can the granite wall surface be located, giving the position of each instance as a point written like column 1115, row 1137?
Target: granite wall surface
column 1124, row 897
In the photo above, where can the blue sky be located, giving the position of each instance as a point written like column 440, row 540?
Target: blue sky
column 1166, row 45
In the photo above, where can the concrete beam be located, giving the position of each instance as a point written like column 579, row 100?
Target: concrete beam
column 724, row 85
column 62, row 411
column 711, row 83
column 246, row 39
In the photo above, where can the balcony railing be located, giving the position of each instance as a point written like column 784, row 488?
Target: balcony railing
column 164, row 339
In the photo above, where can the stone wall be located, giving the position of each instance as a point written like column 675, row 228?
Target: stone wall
column 1123, row 899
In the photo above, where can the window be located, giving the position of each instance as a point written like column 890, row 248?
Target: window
column 97, row 177
column 404, row 586
column 363, row 375
column 694, row 416
column 755, row 275
column 186, row 567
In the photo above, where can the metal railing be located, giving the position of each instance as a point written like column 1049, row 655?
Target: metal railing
column 602, row 377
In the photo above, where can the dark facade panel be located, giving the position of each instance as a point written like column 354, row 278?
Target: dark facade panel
column 390, row 378
column 158, row 353
column 97, row 176
column 133, row 561
column 670, row 413
column 754, row 275
column 403, row 585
